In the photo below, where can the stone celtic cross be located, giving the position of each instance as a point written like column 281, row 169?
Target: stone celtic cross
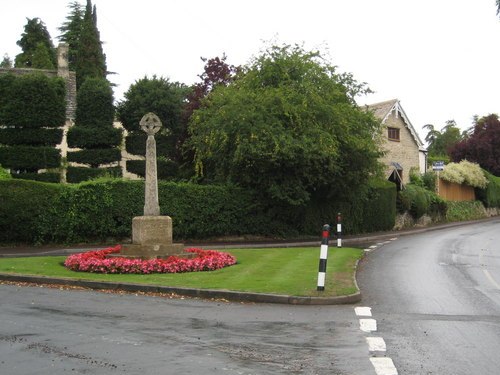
column 151, row 124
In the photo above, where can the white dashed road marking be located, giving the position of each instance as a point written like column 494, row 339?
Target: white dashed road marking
column 376, row 345
column 363, row 311
column 383, row 366
column 368, row 325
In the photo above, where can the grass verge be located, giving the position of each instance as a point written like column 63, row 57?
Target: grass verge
column 287, row 271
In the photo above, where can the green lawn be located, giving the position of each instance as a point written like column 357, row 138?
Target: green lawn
column 288, row 271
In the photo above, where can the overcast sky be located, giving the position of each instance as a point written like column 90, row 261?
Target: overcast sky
column 441, row 58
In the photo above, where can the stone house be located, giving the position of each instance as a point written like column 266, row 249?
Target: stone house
column 400, row 142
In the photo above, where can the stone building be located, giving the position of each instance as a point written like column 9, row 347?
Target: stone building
column 403, row 147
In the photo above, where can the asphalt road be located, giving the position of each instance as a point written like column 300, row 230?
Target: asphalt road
column 52, row 331
column 436, row 299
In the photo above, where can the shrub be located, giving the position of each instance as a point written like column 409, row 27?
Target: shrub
column 166, row 169
column 4, row 174
column 466, row 210
column 29, row 158
column 95, row 157
column 79, row 174
column 465, row 172
column 491, row 195
column 92, row 138
column 54, row 177
column 31, row 137
column 419, row 201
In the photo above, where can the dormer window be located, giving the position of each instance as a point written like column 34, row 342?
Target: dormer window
column 393, row 134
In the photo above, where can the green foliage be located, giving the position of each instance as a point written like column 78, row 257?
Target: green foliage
column 82, row 137
column 374, row 210
column 102, row 209
column 491, row 195
column 24, row 203
column 93, row 130
column 466, row 173
column 429, row 180
column 467, row 210
column 42, row 58
column 95, row 157
column 95, row 107
column 4, row 174
column 432, row 159
column 287, row 128
column 440, row 142
column 53, row 177
column 32, row 101
column 379, row 212
column 90, row 58
column 35, row 34
column 78, row 174
column 28, row 158
column 419, row 201
column 71, row 30
column 30, row 137
column 166, row 169
column 164, row 98
column 135, row 144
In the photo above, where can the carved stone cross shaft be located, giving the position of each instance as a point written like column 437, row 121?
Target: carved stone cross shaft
column 151, row 124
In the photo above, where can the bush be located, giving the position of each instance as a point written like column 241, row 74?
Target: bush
column 419, row 201
column 54, row 177
column 95, row 104
column 30, row 137
column 166, row 169
column 24, row 204
column 465, row 172
column 135, row 143
column 4, row 175
column 95, row 157
column 467, row 210
column 374, row 210
column 92, row 138
column 79, row 174
column 34, row 101
column 491, row 195
column 29, row 158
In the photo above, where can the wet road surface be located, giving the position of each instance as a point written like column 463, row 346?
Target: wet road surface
column 436, row 300
column 52, row 331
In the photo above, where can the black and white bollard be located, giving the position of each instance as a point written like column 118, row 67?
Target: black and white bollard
column 323, row 256
column 339, row 230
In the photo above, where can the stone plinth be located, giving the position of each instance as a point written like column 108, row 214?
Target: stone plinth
column 151, row 238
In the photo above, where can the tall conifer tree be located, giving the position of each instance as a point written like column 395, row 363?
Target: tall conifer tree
column 90, row 61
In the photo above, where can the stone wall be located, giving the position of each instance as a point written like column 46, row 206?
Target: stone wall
column 405, row 151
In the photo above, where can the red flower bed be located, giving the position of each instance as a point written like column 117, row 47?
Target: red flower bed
column 96, row 261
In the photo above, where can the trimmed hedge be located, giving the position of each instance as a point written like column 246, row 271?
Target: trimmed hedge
column 92, row 138
column 135, row 143
column 490, row 196
column 374, row 210
column 30, row 137
column 102, row 210
column 45, row 177
column 95, row 107
column 94, row 156
column 419, row 201
column 79, row 174
column 29, row 158
column 33, row 101
column 166, row 169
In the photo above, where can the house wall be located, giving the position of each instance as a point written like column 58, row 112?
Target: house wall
column 405, row 152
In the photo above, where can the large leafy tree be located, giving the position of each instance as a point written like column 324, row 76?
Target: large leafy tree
column 35, row 40
column 71, row 31
column 482, row 146
column 440, row 142
column 287, row 127
column 90, row 58
column 167, row 100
